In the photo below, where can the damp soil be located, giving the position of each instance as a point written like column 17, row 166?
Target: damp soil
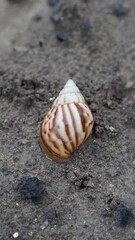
column 42, row 45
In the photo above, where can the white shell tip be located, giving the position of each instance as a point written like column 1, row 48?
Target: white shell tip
column 69, row 87
column 70, row 83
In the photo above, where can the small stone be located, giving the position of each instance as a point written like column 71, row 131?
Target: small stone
column 51, row 99
column 112, row 132
column 44, row 225
column 93, row 106
column 32, row 189
column 98, row 87
column 134, row 162
column 24, row 141
column 62, row 36
column 91, row 197
column 15, row 174
column 37, row 18
column 112, row 172
column 118, row 9
column 133, row 191
column 30, row 234
column 55, row 18
column 112, row 129
column 20, row 49
column 16, row 184
column 1, row 190
column 107, row 212
column 16, row 159
column 111, row 186
column 85, row 226
column 130, row 84
column 53, row 3
column 16, row 235
column 123, row 215
column 31, row 162
column 97, row 152
column 1, row 157
column 85, row 24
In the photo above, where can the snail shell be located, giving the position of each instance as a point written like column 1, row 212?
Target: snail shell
column 67, row 124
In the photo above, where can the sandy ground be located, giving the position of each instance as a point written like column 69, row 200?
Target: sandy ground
column 91, row 197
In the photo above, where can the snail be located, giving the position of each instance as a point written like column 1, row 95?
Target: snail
column 68, row 124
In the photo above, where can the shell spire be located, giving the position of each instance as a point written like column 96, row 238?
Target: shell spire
column 70, row 87
column 67, row 124
column 69, row 94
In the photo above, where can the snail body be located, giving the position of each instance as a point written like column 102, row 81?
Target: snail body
column 67, row 124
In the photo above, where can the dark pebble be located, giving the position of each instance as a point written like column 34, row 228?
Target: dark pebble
column 55, row 18
column 32, row 188
column 52, row 3
column 37, row 18
column 40, row 43
column 85, row 24
column 98, row 87
column 119, row 9
column 29, row 101
column 85, row 226
column 62, row 36
column 123, row 215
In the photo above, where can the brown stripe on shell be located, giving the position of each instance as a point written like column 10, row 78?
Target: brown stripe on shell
column 51, row 141
column 54, row 142
column 90, row 125
column 87, row 129
column 55, row 102
column 48, row 151
column 81, row 114
column 74, row 124
column 84, row 119
column 54, row 118
column 86, row 133
column 46, row 145
column 54, row 124
column 67, row 150
column 48, row 116
column 67, row 126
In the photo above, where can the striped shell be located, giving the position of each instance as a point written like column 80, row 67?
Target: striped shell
column 67, row 124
